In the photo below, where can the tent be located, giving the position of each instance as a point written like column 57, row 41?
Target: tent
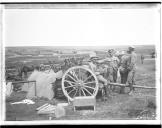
column 43, row 84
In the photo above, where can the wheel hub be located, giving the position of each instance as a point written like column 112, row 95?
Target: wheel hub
column 79, row 84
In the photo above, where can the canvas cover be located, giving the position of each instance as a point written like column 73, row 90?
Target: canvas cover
column 44, row 82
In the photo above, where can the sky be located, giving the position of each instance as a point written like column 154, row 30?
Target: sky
column 81, row 27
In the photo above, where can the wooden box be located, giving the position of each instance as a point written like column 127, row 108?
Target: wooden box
column 84, row 101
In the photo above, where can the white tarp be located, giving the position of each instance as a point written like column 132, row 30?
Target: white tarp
column 43, row 84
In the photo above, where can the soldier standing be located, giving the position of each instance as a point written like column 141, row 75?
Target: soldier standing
column 128, row 68
column 142, row 58
column 112, row 63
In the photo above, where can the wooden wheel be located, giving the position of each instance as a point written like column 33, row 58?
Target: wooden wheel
column 79, row 81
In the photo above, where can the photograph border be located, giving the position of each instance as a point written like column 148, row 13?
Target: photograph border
column 2, row 98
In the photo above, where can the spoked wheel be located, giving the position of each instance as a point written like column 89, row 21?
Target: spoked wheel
column 79, row 81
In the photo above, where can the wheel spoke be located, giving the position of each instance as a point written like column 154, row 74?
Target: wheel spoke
column 71, row 77
column 71, row 72
column 80, row 74
column 83, row 92
column 79, row 92
column 71, row 91
column 89, row 87
column 70, row 86
column 83, row 76
column 90, row 82
column 75, row 93
column 75, row 75
column 70, row 81
column 88, row 78
column 87, row 91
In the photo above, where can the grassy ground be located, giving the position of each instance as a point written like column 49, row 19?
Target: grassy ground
column 141, row 105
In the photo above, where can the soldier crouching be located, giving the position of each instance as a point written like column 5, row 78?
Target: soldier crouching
column 99, row 71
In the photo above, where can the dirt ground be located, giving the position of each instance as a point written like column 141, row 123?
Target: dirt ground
column 140, row 105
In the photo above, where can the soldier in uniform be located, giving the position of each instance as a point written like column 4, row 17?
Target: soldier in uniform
column 94, row 66
column 128, row 68
column 142, row 58
column 112, row 63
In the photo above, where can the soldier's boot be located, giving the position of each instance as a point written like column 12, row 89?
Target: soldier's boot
column 104, row 94
column 122, row 90
column 107, row 92
column 113, row 88
column 131, row 89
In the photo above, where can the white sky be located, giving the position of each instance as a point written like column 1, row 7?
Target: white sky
column 81, row 27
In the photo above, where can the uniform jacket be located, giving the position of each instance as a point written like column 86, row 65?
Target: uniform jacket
column 96, row 69
column 128, row 62
column 111, row 62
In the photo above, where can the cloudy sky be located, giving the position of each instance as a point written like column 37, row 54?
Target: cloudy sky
column 81, row 27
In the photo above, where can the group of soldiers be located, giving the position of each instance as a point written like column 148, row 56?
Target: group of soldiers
column 110, row 68
column 114, row 65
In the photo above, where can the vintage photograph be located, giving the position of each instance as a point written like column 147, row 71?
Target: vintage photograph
column 81, row 62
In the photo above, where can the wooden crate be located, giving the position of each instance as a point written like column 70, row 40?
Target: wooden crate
column 84, row 101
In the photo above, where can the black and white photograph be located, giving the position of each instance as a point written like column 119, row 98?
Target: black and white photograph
column 72, row 63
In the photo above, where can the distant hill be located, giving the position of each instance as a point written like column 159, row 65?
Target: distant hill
column 142, row 49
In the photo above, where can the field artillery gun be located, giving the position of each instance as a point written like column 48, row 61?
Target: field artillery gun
column 80, row 81
column 77, row 81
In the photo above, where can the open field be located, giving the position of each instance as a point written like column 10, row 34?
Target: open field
column 119, row 106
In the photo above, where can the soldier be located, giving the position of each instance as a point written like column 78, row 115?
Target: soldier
column 128, row 68
column 142, row 58
column 120, row 55
column 112, row 63
column 93, row 64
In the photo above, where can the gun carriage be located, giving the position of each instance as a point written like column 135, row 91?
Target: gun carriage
column 77, row 80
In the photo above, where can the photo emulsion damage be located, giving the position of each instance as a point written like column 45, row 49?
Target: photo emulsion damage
column 81, row 62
